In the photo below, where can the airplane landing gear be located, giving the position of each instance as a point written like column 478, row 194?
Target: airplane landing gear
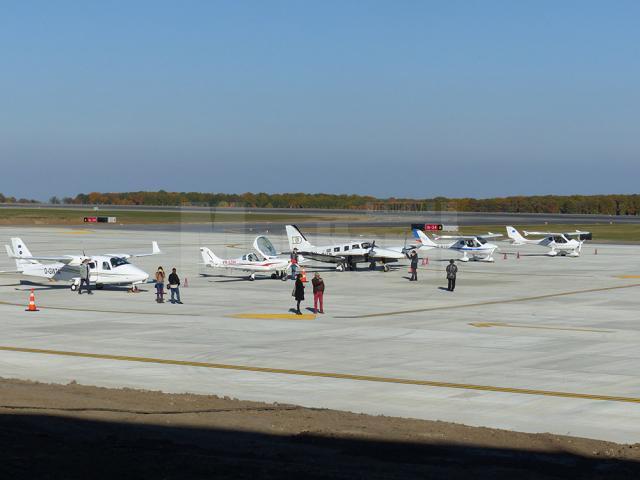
column 385, row 267
column 252, row 277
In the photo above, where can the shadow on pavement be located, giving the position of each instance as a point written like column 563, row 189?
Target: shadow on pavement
column 43, row 446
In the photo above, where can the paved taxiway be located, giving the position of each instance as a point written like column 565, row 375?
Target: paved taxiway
column 534, row 344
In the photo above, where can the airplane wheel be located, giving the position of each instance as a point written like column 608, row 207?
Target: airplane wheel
column 74, row 287
column 340, row 268
column 274, row 276
column 252, row 277
column 385, row 268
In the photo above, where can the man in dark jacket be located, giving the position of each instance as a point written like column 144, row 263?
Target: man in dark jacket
column 414, row 266
column 84, row 277
column 174, row 286
column 452, row 271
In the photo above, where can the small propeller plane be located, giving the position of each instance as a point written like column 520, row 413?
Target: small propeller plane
column 265, row 260
column 472, row 247
column 346, row 255
column 558, row 243
column 106, row 269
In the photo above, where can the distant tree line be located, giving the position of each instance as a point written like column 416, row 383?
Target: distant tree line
column 585, row 204
column 4, row 199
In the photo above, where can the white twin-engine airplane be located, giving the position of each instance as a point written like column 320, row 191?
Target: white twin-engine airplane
column 473, row 247
column 265, row 261
column 558, row 243
column 346, row 255
column 106, row 269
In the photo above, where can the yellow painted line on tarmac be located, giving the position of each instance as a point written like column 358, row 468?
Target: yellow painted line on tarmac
column 490, row 302
column 77, row 232
column 331, row 375
column 274, row 316
column 537, row 327
column 628, row 276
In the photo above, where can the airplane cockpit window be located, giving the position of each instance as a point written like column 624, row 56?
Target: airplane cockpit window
column 366, row 246
column 469, row 243
column 92, row 265
column 560, row 239
column 105, row 266
column 117, row 262
column 265, row 247
column 482, row 241
column 252, row 257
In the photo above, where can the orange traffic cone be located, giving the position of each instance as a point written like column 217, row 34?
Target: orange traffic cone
column 32, row 303
column 304, row 275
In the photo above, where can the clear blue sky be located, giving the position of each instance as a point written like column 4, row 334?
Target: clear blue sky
column 397, row 98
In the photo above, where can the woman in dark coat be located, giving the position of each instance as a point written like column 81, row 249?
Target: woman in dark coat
column 298, row 292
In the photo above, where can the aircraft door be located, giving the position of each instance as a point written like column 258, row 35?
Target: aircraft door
column 93, row 271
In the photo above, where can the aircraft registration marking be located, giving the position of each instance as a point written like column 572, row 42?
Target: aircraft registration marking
column 331, row 375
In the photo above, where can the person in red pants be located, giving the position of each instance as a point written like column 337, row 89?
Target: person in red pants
column 318, row 292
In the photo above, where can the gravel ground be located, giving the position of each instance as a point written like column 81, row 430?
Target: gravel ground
column 75, row 431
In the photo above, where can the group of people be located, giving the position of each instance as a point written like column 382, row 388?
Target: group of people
column 318, row 284
column 318, row 292
column 451, row 271
column 174, row 286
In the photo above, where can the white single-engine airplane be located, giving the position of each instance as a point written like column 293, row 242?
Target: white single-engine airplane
column 265, row 261
column 106, row 269
column 347, row 254
column 558, row 243
column 472, row 247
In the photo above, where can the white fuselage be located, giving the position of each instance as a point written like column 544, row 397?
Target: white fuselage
column 103, row 270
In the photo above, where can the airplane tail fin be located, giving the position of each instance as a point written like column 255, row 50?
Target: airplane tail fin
column 423, row 238
column 20, row 253
column 296, row 238
column 514, row 235
column 209, row 258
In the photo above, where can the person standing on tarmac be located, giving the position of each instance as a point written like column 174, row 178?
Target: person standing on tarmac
column 298, row 293
column 452, row 271
column 414, row 266
column 160, row 285
column 174, row 286
column 294, row 263
column 318, row 292
column 84, row 277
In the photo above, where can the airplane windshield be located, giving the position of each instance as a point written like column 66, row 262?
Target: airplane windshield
column 482, row 241
column 265, row 247
column 117, row 262
column 560, row 239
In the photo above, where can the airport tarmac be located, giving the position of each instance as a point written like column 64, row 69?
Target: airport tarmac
column 532, row 344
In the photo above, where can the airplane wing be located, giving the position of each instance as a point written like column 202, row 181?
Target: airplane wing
column 577, row 233
column 155, row 250
column 491, row 235
column 540, row 233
